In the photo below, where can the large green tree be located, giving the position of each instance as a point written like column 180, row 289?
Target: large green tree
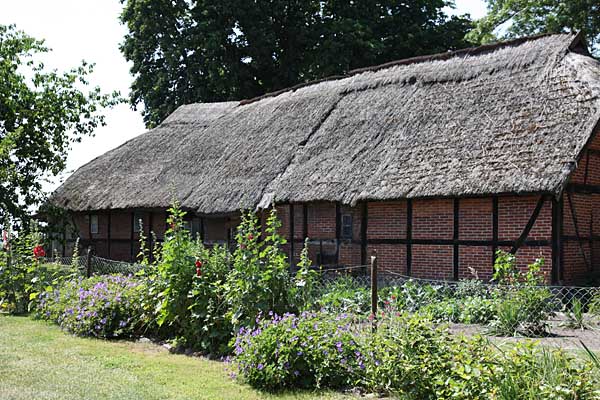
column 41, row 113
column 514, row 18
column 187, row 51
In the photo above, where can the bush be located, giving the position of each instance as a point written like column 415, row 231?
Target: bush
column 102, row 306
column 407, row 356
column 306, row 351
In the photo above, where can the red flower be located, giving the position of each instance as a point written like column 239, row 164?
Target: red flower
column 250, row 236
column 242, row 246
column 38, row 251
column 198, row 272
column 393, row 297
column 198, row 263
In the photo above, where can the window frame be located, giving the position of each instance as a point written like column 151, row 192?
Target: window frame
column 96, row 224
column 345, row 233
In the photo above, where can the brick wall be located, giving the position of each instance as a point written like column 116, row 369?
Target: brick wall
column 432, row 222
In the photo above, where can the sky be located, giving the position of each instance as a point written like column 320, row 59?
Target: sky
column 89, row 30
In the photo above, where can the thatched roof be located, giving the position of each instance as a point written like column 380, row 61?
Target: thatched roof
column 511, row 117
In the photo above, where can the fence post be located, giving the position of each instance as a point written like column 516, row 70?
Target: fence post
column 88, row 263
column 374, row 299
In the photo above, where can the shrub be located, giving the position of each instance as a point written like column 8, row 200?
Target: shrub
column 102, row 306
column 407, row 356
column 411, row 358
column 305, row 351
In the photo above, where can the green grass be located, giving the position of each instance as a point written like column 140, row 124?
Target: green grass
column 39, row 361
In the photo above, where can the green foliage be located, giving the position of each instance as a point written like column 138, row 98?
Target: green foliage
column 102, row 306
column 412, row 295
column 209, row 328
column 576, row 318
column 306, row 283
column 176, row 270
column 523, row 305
column 527, row 17
column 343, row 294
column 260, row 280
column 594, row 306
column 22, row 275
column 407, row 357
column 311, row 350
column 41, row 114
column 530, row 372
column 214, row 50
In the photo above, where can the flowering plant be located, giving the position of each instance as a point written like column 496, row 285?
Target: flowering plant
column 38, row 252
column 301, row 351
column 102, row 306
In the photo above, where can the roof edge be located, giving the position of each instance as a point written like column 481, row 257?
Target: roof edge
column 578, row 39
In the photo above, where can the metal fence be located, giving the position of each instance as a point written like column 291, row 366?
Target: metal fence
column 468, row 305
column 554, row 313
column 89, row 265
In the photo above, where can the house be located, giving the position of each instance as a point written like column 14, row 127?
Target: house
column 436, row 162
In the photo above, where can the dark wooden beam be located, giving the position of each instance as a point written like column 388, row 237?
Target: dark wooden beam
column 576, row 226
column 561, row 250
column 202, row 229
column 587, row 165
column 536, row 212
column 338, row 231
column 150, row 239
column 292, row 236
column 556, row 228
column 304, row 221
column 363, row 232
column 456, row 248
column 582, row 188
column 108, row 234
column 409, row 242
column 132, row 236
column 494, row 229
column 460, row 242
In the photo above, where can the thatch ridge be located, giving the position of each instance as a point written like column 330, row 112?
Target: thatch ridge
column 503, row 118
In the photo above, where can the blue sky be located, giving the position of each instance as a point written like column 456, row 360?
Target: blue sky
column 90, row 30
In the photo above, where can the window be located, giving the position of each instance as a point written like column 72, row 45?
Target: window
column 138, row 218
column 94, row 224
column 347, row 226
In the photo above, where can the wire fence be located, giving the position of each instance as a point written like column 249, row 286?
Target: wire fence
column 93, row 265
column 502, row 310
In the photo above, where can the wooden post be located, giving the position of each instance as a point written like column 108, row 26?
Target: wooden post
column 88, row 263
column 374, row 299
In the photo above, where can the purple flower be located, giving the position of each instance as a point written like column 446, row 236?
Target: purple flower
column 260, row 366
column 339, row 346
column 296, row 373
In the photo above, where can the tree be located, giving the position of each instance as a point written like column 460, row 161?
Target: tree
column 528, row 17
column 216, row 50
column 41, row 114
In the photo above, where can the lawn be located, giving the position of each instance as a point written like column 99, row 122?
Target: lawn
column 39, row 361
